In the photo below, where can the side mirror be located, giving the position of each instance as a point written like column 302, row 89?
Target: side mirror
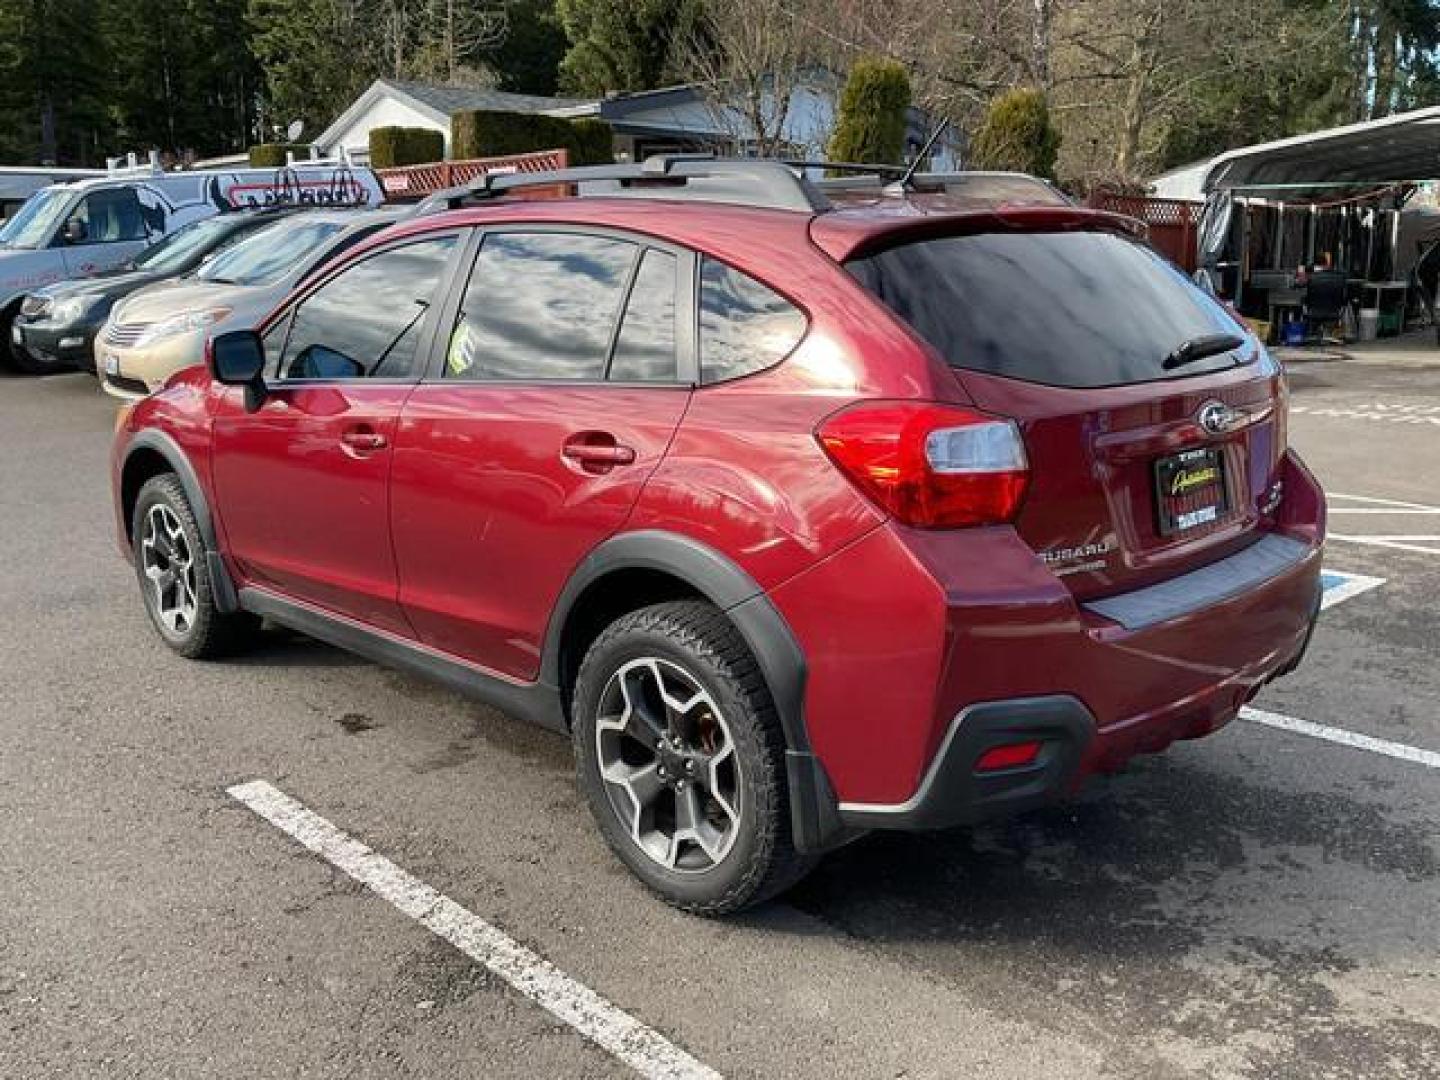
column 74, row 231
column 237, row 358
column 319, row 362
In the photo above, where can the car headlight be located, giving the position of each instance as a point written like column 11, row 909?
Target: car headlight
column 183, row 323
column 35, row 305
column 70, row 311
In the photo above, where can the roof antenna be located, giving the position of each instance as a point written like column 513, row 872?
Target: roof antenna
column 899, row 186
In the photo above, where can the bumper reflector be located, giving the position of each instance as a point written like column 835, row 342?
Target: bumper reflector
column 1009, row 756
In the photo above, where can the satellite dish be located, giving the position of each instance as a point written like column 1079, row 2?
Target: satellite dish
column 295, row 130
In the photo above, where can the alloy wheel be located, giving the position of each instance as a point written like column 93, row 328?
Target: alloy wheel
column 667, row 760
column 168, row 563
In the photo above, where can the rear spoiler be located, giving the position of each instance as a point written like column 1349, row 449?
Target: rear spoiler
column 851, row 235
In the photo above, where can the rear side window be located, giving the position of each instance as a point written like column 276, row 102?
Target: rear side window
column 540, row 306
column 744, row 325
column 1075, row 309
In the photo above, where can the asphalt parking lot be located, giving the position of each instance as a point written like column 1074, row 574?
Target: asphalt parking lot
column 1264, row 903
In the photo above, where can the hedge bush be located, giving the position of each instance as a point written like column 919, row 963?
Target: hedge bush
column 273, row 155
column 392, row 146
column 480, row 133
column 594, row 142
column 1017, row 135
column 871, row 125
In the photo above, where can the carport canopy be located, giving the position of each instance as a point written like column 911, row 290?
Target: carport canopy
column 1394, row 149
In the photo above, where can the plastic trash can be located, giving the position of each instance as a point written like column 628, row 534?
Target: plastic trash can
column 1369, row 323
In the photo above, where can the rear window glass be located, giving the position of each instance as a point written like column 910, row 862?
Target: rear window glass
column 1078, row 309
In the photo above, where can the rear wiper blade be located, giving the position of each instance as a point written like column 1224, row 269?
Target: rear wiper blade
column 1198, row 348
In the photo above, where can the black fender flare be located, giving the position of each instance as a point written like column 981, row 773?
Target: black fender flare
column 814, row 807
column 226, row 599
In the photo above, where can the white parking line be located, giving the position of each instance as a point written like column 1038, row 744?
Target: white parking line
column 1382, row 502
column 643, row 1049
column 1390, row 413
column 1399, row 543
column 1429, row 758
column 1385, row 510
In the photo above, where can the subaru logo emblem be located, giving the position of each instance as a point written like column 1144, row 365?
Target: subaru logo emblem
column 1216, row 417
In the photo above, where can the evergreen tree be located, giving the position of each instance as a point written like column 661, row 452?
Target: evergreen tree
column 1017, row 135
column 871, row 125
column 52, row 105
column 181, row 76
column 619, row 45
column 315, row 55
column 527, row 59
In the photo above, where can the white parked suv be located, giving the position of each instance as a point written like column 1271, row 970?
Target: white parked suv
column 79, row 229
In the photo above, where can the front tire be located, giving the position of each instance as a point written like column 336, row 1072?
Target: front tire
column 680, row 756
column 174, row 575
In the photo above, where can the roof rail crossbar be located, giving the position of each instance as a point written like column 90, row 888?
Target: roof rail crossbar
column 700, row 178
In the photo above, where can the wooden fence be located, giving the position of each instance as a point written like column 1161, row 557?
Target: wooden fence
column 1172, row 223
column 408, row 183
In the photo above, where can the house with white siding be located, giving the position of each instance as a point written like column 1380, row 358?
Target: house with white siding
column 679, row 118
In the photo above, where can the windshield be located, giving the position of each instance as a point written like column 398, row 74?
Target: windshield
column 1079, row 309
column 35, row 223
column 184, row 246
column 264, row 257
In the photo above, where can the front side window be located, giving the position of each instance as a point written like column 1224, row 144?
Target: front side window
column 540, row 306
column 369, row 320
column 111, row 215
column 35, row 224
column 744, row 326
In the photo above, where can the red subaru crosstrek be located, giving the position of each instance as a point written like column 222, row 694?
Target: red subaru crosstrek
column 805, row 512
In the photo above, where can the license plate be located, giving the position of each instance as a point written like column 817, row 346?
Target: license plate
column 112, row 364
column 17, row 335
column 1190, row 490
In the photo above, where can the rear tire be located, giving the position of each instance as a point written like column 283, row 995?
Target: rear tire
column 680, row 755
column 174, row 575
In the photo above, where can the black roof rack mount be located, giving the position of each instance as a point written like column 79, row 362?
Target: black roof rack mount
column 691, row 177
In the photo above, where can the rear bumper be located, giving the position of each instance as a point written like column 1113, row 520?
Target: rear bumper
column 953, row 792
column 926, row 648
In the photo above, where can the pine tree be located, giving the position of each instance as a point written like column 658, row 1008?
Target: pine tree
column 527, row 59
column 52, row 104
column 317, row 57
column 623, row 44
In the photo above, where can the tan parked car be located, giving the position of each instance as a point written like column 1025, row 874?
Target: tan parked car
column 161, row 329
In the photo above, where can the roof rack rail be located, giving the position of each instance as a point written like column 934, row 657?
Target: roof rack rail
column 693, row 177
column 130, row 166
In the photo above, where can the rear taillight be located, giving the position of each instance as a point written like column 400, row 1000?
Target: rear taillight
column 931, row 466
